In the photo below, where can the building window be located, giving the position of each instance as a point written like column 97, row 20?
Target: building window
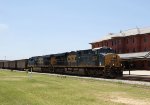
column 120, row 51
column 127, row 41
column 127, row 51
column 133, row 39
column 119, row 41
column 93, row 46
column 106, row 43
column 145, row 40
column 102, row 44
column 112, row 43
column 116, row 51
column 145, row 49
column 133, row 49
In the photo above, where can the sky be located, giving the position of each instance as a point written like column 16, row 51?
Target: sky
column 40, row 27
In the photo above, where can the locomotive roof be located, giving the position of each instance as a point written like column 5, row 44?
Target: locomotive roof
column 84, row 50
column 60, row 54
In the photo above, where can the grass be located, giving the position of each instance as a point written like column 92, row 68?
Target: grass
column 17, row 88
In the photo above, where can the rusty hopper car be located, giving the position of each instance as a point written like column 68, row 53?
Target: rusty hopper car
column 6, row 65
column 1, row 65
column 12, row 65
column 22, row 64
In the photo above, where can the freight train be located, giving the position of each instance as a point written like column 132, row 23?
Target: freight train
column 99, row 62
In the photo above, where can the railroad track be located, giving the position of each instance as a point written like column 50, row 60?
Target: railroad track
column 127, row 79
column 134, row 80
column 145, row 78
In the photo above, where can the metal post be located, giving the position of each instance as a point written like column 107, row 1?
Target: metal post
column 31, row 72
column 130, row 66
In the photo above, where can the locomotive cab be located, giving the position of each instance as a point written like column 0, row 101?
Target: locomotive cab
column 102, row 52
column 32, row 61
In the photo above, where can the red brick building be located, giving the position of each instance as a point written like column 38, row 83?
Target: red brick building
column 129, row 41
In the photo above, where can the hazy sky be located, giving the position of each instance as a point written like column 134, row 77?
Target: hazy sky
column 39, row 27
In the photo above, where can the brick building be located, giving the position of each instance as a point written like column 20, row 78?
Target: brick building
column 129, row 41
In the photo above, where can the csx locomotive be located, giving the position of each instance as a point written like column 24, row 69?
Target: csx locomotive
column 100, row 62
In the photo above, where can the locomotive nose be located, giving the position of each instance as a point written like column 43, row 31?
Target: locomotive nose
column 115, row 60
column 112, row 60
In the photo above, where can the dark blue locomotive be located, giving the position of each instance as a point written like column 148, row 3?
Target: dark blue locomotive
column 92, row 62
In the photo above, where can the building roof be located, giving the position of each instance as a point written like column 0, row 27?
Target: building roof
column 130, row 32
column 139, row 55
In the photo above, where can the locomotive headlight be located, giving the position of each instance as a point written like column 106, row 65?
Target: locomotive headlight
column 113, row 64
